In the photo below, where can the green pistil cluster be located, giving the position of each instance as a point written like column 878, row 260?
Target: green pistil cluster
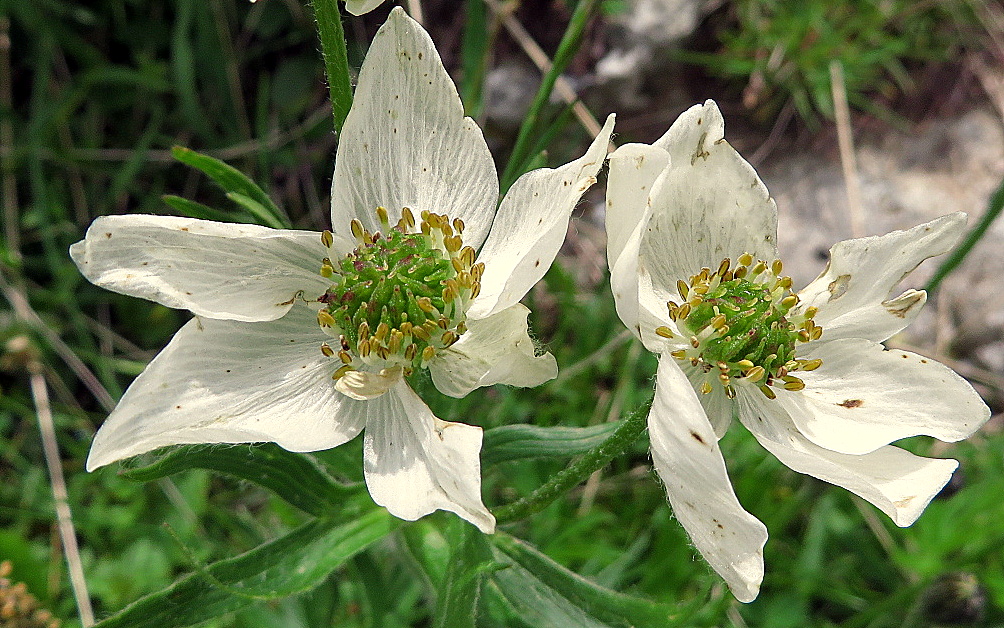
column 398, row 298
column 740, row 325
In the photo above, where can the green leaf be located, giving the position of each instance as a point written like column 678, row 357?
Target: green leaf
column 520, row 441
column 297, row 478
column 545, row 593
column 193, row 209
column 236, row 184
column 470, row 558
column 291, row 564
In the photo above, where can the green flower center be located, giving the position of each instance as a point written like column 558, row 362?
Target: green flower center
column 398, row 299
column 741, row 325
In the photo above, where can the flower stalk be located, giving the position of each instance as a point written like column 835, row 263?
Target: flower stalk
column 618, row 443
column 336, row 60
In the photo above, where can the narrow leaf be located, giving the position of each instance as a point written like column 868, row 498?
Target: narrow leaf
column 534, row 580
column 458, row 600
column 193, row 209
column 296, row 478
column 291, row 564
column 233, row 181
column 520, row 441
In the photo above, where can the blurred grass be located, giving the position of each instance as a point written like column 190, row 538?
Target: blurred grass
column 100, row 94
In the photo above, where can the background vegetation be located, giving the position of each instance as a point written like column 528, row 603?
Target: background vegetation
column 95, row 95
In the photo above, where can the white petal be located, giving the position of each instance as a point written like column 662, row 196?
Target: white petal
column 493, row 350
column 710, row 205
column 364, row 385
column 406, row 142
column 217, row 270
column 717, row 407
column 686, row 455
column 232, row 382
column 530, row 227
column 897, row 482
column 852, row 291
column 416, row 463
column 633, row 169
column 863, row 397
column 359, row 7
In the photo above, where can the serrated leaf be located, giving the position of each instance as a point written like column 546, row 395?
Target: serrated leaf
column 517, row 442
column 291, row 564
column 297, row 478
column 536, row 583
column 233, row 181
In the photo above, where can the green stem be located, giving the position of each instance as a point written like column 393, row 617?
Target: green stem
column 566, row 50
column 336, row 59
column 994, row 208
column 578, row 472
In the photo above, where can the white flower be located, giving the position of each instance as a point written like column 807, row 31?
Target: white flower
column 805, row 374
column 358, row 7
column 279, row 313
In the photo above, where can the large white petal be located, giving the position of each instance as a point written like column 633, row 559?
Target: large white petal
column 493, row 350
column 406, row 142
column 852, row 292
column 897, row 482
column 633, row 169
column 864, row 397
column 215, row 269
column 686, row 455
column 358, row 7
column 416, row 463
column 232, row 382
column 530, row 227
column 710, row 205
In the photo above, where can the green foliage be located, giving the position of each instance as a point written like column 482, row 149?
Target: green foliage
column 254, row 536
column 781, row 51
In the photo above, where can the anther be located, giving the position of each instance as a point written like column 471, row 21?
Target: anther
column 755, row 374
column 458, row 224
column 811, row 365
column 796, row 384
column 327, row 350
column 341, row 370
column 683, row 288
column 724, row 266
column 382, row 216
column 356, row 228
column 345, row 357
column 745, row 259
column 324, row 319
column 428, row 353
column 408, row 217
column 327, row 239
column 664, row 331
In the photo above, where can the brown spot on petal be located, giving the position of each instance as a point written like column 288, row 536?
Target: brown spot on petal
column 851, row 403
column 697, row 437
column 901, row 305
column 838, row 287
